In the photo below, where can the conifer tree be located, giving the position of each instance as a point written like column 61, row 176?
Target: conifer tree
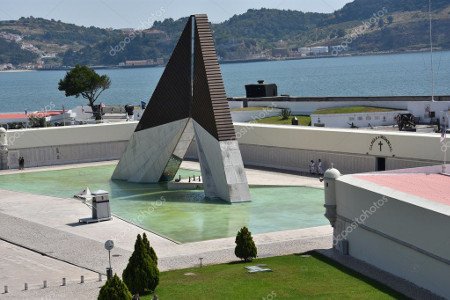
column 245, row 246
column 141, row 274
column 114, row 289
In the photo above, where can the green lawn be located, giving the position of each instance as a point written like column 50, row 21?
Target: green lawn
column 252, row 108
column 293, row 277
column 350, row 110
column 302, row 120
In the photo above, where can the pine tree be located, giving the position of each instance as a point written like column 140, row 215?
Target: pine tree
column 149, row 249
column 141, row 274
column 245, row 246
column 114, row 289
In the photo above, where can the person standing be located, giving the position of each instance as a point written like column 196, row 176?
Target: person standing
column 21, row 163
column 319, row 167
column 312, row 167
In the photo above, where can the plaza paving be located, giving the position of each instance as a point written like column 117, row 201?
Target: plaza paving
column 45, row 225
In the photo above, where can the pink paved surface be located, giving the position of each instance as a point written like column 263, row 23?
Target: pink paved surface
column 433, row 187
column 24, row 116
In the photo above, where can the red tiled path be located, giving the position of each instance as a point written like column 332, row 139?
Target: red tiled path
column 434, row 187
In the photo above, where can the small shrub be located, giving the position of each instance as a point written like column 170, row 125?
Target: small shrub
column 285, row 113
column 245, row 246
column 114, row 289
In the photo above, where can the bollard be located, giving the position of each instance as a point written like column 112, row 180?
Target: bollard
column 25, row 288
column 64, row 282
column 6, row 289
column 109, row 273
column 45, row 284
column 100, row 277
column 82, row 279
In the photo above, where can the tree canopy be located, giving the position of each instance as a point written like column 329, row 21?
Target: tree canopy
column 245, row 246
column 114, row 289
column 141, row 274
column 85, row 82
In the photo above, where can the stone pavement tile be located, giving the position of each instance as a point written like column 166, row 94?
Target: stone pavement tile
column 19, row 266
column 64, row 246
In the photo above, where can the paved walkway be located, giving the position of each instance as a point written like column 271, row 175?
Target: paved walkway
column 49, row 226
column 19, row 266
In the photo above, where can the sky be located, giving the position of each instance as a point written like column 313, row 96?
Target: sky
column 137, row 13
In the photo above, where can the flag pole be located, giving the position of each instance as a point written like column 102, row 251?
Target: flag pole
column 431, row 51
column 443, row 140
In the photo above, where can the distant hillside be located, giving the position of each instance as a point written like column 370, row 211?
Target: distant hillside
column 402, row 25
column 11, row 52
column 364, row 9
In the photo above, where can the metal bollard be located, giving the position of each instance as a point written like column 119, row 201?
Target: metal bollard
column 6, row 289
column 99, row 277
column 64, row 282
column 82, row 279
column 25, row 288
column 45, row 284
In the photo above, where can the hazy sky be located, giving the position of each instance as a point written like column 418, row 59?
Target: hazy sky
column 132, row 13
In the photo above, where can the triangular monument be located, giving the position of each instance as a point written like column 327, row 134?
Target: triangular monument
column 189, row 101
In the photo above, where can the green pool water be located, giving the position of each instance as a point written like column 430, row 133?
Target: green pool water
column 184, row 216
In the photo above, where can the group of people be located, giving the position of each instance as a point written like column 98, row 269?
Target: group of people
column 316, row 168
column 21, row 163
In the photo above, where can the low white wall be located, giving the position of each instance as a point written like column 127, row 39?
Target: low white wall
column 282, row 147
column 235, row 104
column 69, row 144
column 399, row 145
column 398, row 237
column 70, row 135
column 361, row 120
column 422, row 109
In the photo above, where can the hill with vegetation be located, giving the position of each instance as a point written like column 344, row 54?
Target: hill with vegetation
column 362, row 26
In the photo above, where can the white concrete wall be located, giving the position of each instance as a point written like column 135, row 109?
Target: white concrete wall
column 235, row 104
column 69, row 144
column 361, row 120
column 411, row 236
column 297, row 160
column 412, row 146
column 422, row 109
column 70, row 135
column 282, row 147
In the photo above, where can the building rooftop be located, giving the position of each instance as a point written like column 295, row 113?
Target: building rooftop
column 10, row 116
column 425, row 187
column 433, row 187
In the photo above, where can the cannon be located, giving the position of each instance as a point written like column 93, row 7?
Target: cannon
column 405, row 122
